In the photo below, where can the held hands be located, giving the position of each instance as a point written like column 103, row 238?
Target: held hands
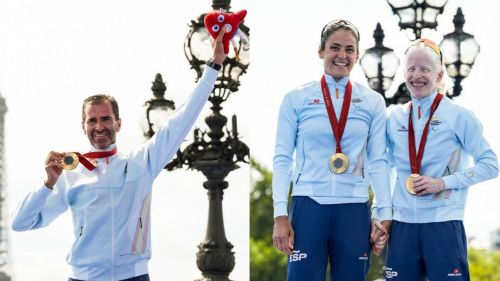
column 218, row 49
column 379, row 235
column 53, row 168
column 424, row 185
column 283, row 235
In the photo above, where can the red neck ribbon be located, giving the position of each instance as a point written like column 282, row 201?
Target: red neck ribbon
column 337, row 126
column 416, row 159
column 94, row 155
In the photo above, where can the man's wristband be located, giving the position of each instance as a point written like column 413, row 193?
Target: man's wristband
column 214, row 65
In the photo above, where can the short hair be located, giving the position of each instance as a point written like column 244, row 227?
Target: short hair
column 98, row 99
column 335, row 25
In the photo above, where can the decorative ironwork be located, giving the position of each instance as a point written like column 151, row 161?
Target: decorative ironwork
column 380, row 64
column 459, row 51
column 216, row 151
column 459, row 48
column 156, row 109
column 415, row 15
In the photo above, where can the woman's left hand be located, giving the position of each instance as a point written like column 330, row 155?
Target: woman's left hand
column 379, row 235
column 427, row 185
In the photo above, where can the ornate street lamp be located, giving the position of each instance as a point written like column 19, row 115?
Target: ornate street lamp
column 379, row 64
column 157, row 109
column 415, row 15
column 217, row 151
column 459, row 53
column 197, row 48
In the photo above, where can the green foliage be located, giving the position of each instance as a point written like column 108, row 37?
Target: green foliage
column 266, row 262
column 261, row 203
column 484, row 265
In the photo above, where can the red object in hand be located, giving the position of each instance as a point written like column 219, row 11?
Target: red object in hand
column 215, row 21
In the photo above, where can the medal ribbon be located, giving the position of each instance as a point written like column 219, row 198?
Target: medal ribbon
column 94, row 155
column 337, row 126
column 416, row 159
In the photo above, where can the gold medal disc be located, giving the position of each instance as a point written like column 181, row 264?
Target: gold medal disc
column 70, row 161
column 338, row 163
column 409, row 183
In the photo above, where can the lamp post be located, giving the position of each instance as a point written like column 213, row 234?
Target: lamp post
column 459, row 48
column 415, row 15
column 379, row 64
column 459, row 51
column 216, row 151
column 157, row 109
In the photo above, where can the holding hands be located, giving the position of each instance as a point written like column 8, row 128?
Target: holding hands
column 379, row 235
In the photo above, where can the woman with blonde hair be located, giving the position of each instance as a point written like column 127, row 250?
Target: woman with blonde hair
column 429, row 141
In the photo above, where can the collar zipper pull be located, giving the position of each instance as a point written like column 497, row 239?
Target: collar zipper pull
column 337, row 92
column 419, row 114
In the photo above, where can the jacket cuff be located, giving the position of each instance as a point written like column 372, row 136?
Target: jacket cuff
column 209, row 76
column 43, row 191
column 450, row 182
column 280, row 209
column 382, row 214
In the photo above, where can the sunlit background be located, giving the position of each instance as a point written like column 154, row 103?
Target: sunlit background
column 55, row 53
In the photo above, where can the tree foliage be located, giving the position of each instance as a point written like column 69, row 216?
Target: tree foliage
column 266, row 262
column 484, row 265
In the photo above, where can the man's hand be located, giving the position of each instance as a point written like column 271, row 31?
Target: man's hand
column 53, row 168
column 218, row 55
column 424, row 185
column 379, row 235
column 283, row 235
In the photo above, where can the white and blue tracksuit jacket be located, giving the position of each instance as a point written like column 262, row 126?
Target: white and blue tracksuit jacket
column 110, row 205
column 454, row 136
column 304, row 128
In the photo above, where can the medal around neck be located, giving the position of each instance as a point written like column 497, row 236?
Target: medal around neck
column 338, row 163
column 70, row 161
column 409, row 183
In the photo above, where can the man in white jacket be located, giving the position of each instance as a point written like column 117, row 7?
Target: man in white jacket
column 110, row 193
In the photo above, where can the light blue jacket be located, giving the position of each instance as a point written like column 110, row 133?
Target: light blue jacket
column 110, row 205
column 304, row 128
column 455, row 135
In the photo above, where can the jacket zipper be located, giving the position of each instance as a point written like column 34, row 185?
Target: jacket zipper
column 142, row 230
column 297, row 181
column 303, row 162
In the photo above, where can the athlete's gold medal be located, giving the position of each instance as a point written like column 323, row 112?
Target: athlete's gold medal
column 338, row 163
column 409, row 183
column 70, row 161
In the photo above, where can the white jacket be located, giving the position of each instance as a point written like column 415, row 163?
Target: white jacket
column 111, row 204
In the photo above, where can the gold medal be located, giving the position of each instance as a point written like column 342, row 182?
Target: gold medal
column 409, row 183
column 70, row 161
column 338, row 163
